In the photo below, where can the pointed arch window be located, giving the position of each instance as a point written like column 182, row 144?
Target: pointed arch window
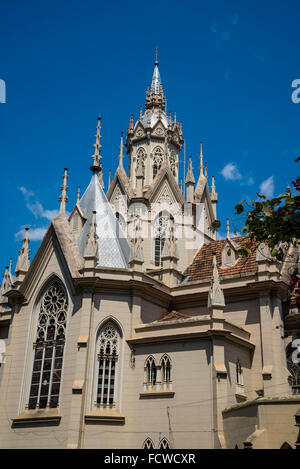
column 49, row 348
column 239, row 378
column 161, row 232
column 108, row 346
column 166, row 373
column 294, row 369
column 148, row 444
column 150, row 374
column 121, row 223
column 158, row 157
column 172, row 160
column 164, row 444
column 140, row 157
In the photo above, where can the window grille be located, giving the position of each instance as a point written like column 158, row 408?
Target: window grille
column 49, row 349
column 158, row 157
column 161, row 232
column 108, row 344
column 294, row 369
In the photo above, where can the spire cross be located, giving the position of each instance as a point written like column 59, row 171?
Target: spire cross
column 156, row 55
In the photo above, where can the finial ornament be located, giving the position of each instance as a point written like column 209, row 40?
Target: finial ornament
column 156, row 56
column 215, row 294
column 121, row 156
column 63, row 198
column 78, row 195
column 227, row 229
column 96, row 167
column 7, row 281
column 190, row 176
column 181, row 185
column 23, row 262
column 201, row 160
column 205, row 174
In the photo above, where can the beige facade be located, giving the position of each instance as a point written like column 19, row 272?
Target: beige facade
column 174, row 340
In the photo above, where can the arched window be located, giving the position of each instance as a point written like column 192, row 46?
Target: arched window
column 108, row 346
column 121, row 223
column 164, row 444
column 140, row 157
column 161, row 232
column 172, row 160
column 294, row 369
column 148, row 444
column 158, row 157
column 49, row 348
column 150, row 374
column 239, row 378
column 166, row 372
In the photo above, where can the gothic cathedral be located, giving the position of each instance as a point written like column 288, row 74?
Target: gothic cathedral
column 135, row 327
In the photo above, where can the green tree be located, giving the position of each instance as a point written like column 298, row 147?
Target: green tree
column 275, row 222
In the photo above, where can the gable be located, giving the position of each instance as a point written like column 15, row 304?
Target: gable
column 165, row 176
column 120, row 179
column 50, row 259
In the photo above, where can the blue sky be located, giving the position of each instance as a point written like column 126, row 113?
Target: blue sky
column 227, row 69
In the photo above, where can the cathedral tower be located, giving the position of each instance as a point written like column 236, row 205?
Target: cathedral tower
column 151, row 190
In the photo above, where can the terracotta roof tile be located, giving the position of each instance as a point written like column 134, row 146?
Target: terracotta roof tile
column 200, row 269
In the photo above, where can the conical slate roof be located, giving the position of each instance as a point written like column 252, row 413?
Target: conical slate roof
column 113, row 247
column 156, row 80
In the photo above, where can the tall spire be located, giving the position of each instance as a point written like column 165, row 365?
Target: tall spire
column 63, row 198
column 121, row 156
column 156, row 80
column 190, row 182
column 201, row 161
column 155, row 99
column 78, row 195
column 96, row 167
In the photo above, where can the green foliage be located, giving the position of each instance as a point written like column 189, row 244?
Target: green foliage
column 275, row 222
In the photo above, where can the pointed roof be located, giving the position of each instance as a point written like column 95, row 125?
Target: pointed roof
column 156, row 80
column 113, row 247
column 190, row 175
